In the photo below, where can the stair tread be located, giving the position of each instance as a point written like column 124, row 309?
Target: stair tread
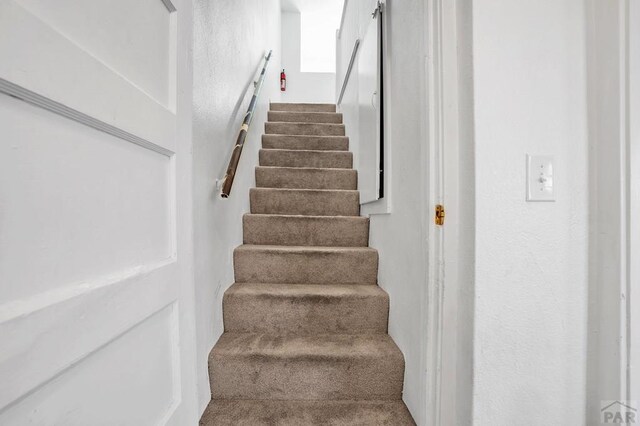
column 317, row 346
column 305, row 264
column 328, row 113
column 310, row 169
column 305, row 309
column 306, row 367
column 320, row 202
column 293, row 291
column 332, row 143
column 306, row 158
column 307, row 137
column 221, row 412
column 309, row 217
column 303, row 177
column 303, row 123
column 302, row 106
column 311, row 151
column 311, row 129
column 300, row 230
column 304, row 249
column 305, row 116
column 305, row 190
column 302, row 103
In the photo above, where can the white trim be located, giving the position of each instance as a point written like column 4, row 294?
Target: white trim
column 435, row 282
column 608, row 320
column 450, row 316
column 633, row 84
column 384, row 205
column 625, row 220
column 38, row 100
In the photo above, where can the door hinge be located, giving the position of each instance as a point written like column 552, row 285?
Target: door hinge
column 439, row 214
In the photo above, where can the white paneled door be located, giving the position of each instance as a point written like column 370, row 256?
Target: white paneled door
column 96, row 315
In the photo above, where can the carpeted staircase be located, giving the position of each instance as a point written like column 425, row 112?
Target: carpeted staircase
column 305, row 339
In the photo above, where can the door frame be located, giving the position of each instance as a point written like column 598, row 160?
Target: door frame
column 633, row 168
column 383, row 205
column 611, row 294
column 450, row 165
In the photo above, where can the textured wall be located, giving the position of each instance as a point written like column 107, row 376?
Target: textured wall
column 531, row 264
column 230, row 38
column 400, row 236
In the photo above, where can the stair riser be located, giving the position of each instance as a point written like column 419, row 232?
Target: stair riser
column 320, row 203
column 305, row 117
column 301, row 178
column 305, row 314
column 341, row 267
column 302, row 107
column 304, row 129
column 318, row 143
column 306, row 378
column 317, row 159
column 306, row 231
column 296, row 413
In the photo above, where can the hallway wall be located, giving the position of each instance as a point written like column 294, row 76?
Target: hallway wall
column 230, row 39
column 302, row 86
column 531, row 264
column 400, row 237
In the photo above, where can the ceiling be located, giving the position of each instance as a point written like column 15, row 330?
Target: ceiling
column 313, row 6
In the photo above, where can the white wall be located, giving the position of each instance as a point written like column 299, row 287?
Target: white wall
column 400, row 237
column 531, row 258
column 229, row 41
column 302, row 86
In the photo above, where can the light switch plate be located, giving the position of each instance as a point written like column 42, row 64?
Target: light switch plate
column 540, row 178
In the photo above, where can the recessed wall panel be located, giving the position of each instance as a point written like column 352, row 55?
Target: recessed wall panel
column 131, row 37
column 129, row 381
column 76, row 204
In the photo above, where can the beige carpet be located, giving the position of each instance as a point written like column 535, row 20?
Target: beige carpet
column 305, row 339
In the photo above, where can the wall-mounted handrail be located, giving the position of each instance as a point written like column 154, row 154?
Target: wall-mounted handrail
column 242, row 135
column 347, row 74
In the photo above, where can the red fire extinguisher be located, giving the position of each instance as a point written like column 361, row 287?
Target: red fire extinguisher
column 283, row 81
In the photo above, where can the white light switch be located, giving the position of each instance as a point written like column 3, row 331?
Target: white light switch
column 540, row 178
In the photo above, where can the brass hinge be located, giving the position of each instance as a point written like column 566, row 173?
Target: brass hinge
column 439, row 214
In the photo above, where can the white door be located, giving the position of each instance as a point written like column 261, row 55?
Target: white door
column 95, row 313
column 369, row 113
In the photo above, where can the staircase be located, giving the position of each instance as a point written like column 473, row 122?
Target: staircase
column 305, row 339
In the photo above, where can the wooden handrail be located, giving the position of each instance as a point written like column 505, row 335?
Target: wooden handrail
column 244, row 129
